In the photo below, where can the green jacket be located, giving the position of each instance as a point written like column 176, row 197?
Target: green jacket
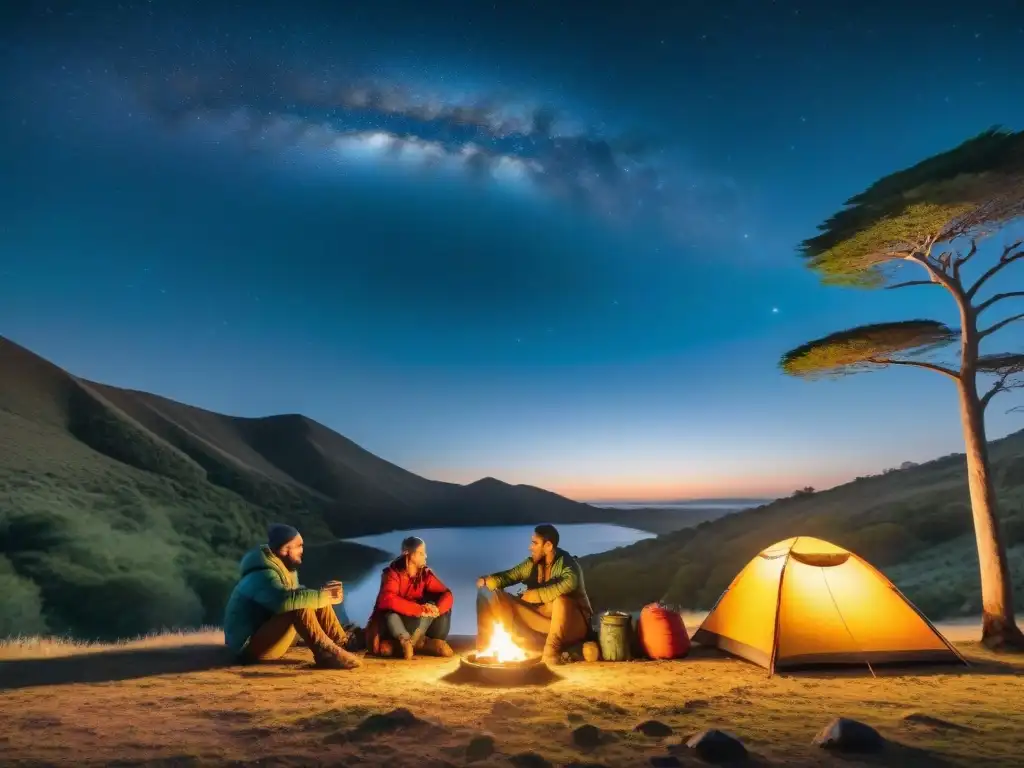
column 266, row 588
column 566, row 579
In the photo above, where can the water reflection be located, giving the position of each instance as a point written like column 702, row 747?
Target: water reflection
column 460, row 555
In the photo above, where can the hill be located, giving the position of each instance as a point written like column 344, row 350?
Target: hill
column 137, row 507
column 912, row 523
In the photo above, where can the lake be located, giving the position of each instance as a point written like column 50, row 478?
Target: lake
column 460, row 555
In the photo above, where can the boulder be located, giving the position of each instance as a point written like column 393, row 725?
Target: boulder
column 717, row 746
column 654, row 728
column 529, row 760
column 586, row 736
column 845, row 735
column 479, row 748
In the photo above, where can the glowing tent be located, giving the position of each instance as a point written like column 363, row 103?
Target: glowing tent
column 804, row 601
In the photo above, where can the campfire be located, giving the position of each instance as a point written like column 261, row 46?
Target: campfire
column 501, row 650
column 502, row 661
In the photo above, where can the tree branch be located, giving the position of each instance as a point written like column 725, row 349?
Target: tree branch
column 938, row 275
column 998, row 297
column 1006, row 259
column 910, row 283
column 916, row 364
column 961, row 260
column 998, row 387
column 1002, row 386
column 1000, row 324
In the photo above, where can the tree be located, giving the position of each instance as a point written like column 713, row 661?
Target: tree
column 934, row 216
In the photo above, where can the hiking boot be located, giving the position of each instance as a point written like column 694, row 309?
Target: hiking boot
column 356, row 640
column 408, row 648
column 336, row 659
column 433, row 647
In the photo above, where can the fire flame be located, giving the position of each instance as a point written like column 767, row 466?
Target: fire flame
column 502, row 647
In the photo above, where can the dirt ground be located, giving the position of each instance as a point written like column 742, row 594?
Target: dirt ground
column 172, row 701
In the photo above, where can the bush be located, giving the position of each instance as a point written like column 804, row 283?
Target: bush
column 20, row 604
column 883, row 544
column 687, row 584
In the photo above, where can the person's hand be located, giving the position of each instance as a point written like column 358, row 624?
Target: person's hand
column 335, row 590
column 529, row 596
column 429, row 609
column 486, row 581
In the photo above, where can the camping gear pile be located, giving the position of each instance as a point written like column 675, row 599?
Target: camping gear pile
column 802, row 601
column 658, row 633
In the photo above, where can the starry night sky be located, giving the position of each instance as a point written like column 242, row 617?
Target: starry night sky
column 552, row 242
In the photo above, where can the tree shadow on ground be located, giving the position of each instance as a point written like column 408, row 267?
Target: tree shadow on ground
column 119, row 665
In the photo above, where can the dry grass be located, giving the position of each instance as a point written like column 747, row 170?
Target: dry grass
column 173, row 700
column 54, row 647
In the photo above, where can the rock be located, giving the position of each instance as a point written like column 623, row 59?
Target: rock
column 529, row 760
column 480, row 748
column 717, row 746
column 388, row 722
column 845, row 735
column 665, row 761
column 654, row 728
column 587, row 736
column 591, row 651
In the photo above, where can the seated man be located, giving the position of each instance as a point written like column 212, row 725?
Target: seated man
column 413, row 607
column 553, row 612
column 268, row 608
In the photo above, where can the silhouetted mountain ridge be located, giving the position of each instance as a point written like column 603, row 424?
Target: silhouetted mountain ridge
column 282, row 463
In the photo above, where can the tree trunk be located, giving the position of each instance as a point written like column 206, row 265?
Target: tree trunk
column 999, row 630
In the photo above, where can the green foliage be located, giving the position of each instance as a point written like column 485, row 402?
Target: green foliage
column 858, row 261
column 111, row 554
column 110, row 432
column 970, row 189
column 861, row 348
column 20, row 604
column 883, row 544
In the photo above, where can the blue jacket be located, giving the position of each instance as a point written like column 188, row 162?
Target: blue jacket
column 266, row 588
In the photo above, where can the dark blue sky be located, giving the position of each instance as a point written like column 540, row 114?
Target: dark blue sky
column 549, row 242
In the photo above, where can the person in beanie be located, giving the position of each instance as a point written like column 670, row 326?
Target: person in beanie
column 268, row 608
column 413, row 610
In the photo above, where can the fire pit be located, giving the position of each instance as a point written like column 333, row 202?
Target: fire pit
column 502, row 661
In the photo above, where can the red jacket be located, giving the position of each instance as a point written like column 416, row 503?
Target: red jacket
column 405, row 595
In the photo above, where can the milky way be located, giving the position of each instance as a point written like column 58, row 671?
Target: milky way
column 624, row 178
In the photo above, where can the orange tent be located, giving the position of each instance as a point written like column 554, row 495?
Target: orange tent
column 805, row 601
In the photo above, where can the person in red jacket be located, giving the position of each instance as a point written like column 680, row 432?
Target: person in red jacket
column 413, row 609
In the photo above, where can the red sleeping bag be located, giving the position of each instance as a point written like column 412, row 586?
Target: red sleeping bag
column 662, row 633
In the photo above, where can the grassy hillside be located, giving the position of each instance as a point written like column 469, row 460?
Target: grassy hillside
column 914, row 524
column 122, row 512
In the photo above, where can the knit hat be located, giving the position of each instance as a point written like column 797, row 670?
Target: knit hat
column 279, row 534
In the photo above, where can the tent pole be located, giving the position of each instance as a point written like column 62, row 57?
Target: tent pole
column 778, row 605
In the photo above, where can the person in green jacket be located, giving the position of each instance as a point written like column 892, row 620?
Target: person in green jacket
column 268, row 608
column 554, row 612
